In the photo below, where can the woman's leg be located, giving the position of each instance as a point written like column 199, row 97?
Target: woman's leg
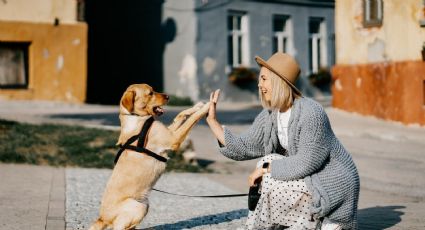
column 282, row 203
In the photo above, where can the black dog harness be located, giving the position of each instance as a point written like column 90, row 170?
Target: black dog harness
column 141, row 137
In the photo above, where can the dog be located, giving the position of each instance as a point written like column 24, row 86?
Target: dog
column 125, row 199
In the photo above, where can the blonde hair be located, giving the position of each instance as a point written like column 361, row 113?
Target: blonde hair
column 283, row 95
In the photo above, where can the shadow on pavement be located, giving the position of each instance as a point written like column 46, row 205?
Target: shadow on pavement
column 205, row 220
column 369, row 218
column 101, row 118
column 379, row 217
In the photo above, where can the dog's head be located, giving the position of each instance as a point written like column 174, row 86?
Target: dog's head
column 140, row 99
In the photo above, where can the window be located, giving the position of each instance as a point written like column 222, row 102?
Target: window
column 317, row 44
column 372, row 13
column 81, row 4
column 422, row 20
column 14, row 64
column 282, row 34
column 237, row 40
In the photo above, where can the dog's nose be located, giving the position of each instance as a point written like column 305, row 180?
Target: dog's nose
column 167, row 97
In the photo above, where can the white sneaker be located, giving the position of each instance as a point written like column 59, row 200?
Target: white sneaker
column 329, row 225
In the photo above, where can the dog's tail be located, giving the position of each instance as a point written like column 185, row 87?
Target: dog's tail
column 98, row 225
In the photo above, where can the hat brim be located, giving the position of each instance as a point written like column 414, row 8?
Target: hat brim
column 262, row 63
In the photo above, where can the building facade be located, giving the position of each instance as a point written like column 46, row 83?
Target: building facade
column 216, row 41
column 380, row 68
column 43, row 50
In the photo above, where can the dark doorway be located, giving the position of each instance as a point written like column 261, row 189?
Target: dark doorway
column 125, row 46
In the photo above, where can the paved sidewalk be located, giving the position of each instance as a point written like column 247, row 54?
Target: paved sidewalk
column 32, row 197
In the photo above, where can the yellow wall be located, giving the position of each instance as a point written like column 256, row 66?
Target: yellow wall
column 39, row 10
column 57, row 60
column 399, row 38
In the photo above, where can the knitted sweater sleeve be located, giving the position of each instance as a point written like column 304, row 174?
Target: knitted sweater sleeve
column 313, row 148
column 248, row 145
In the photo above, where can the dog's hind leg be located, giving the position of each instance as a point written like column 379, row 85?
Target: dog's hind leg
column 131, row 214
column 98, row 225
column 183, row 115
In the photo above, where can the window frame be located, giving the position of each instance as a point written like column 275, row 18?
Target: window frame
column 320, row 60
column 373, row 22
column 25, row 46
column 235, row 34
column 283, row 34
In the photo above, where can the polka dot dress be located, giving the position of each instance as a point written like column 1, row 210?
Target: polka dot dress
column 282, row 203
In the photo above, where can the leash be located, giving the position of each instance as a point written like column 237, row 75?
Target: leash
column 208, row 196
column 141, row 137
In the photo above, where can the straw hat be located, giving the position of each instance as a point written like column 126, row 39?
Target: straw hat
column 284, row 66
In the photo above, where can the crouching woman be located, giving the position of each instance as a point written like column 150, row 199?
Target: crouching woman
column 309, row 180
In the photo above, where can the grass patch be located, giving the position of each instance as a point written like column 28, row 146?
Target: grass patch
column 62, row 145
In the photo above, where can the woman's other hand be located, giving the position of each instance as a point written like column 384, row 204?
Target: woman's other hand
column 257, row 173
column 213, row 103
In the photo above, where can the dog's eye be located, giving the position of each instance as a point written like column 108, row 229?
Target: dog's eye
column 151, row 93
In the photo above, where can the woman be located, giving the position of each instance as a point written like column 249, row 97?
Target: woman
column 310, row 180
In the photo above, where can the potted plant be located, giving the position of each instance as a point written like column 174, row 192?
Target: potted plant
column 321, row 78
column 242, row 75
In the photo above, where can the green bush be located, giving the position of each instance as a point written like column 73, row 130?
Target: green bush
column 242, row 75
column 180, row 101
column 322, row 78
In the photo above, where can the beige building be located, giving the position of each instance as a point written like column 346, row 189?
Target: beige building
column 380, row 70
column 43, row 51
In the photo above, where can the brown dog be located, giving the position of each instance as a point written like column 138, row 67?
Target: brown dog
column 125, row 200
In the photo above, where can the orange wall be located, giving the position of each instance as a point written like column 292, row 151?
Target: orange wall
column 392, row 91
column 57, row 60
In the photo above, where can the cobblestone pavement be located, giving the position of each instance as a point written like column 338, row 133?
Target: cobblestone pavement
column 85, row 187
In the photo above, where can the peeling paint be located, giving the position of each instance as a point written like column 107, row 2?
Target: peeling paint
column 390, row 90
column 49, row 77
column 46, row 53
column 358, row 82
column 376, row 51
column 188, row 69
column 216, row 78
column 179, row 93
column 400, row 32
column 338, row 85
column 76, row 42
column 68, row 95
column 59, row 63
column 187, row 76
column 209, row 66
column 264, row 41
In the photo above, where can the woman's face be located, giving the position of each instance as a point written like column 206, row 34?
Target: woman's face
column 265, row 84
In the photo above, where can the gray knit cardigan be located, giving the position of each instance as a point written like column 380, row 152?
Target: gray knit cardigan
column 314, row 154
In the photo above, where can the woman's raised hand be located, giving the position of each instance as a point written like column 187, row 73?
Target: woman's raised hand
column 213, row 102
column 212, row 119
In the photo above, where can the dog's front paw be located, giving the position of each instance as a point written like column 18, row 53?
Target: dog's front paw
column 205, row 107
column 198, row 105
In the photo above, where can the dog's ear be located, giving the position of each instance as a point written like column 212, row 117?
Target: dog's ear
column 128, row 101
